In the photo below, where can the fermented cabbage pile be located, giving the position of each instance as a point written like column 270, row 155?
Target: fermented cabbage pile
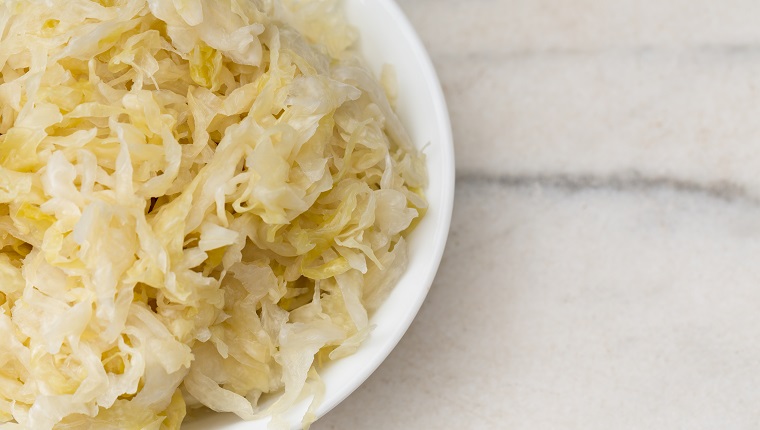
column 200, row 203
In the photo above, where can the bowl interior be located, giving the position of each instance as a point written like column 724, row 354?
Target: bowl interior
column 388, row 38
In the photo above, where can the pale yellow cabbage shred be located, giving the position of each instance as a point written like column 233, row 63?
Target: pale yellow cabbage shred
column 200, row 201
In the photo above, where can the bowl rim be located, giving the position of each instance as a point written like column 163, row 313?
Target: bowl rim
column 446, row 204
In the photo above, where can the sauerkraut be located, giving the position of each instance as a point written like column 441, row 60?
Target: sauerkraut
column 200, row 201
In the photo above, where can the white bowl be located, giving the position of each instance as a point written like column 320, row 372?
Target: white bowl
column 387, row 37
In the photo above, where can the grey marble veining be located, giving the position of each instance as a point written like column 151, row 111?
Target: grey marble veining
column 602, row 269
column 625, row 182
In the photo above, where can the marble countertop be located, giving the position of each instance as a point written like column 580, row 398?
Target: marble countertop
column 603, row 266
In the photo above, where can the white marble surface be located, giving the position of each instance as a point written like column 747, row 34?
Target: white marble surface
column 603, row 264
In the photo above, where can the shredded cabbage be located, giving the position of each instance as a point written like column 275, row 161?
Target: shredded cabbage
column 200, row 200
